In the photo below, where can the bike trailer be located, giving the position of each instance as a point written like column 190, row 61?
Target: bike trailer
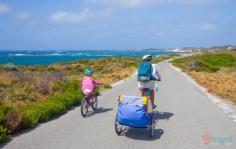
column 134, row 111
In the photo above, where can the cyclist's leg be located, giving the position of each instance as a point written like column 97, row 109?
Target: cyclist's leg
column 143, row 92
column 141, row 86
column 152, row 87
column 152, row 96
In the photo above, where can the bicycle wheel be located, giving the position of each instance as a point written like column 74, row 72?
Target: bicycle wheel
column 84, row 107
column 95, row 103
column 118, row 127
column 152, row 126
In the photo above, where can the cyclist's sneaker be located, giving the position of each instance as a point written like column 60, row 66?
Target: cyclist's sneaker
column 154, row 106
column 97, row 94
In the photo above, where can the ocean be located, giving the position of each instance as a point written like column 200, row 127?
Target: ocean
column 43, row 57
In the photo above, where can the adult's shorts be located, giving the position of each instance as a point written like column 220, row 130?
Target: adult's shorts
column 149, row 84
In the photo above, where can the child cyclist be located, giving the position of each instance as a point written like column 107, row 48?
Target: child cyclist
column 88, row 83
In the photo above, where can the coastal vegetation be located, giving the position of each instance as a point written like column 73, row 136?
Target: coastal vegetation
column 216, row 71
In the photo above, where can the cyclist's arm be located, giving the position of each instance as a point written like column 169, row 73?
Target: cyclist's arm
column 158, row 77
column 97, row 82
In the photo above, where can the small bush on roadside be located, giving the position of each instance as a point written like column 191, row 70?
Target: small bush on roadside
column 4, row 134
column 3, row 111
column 12, row 119
column 107, row 86
column 4, row 131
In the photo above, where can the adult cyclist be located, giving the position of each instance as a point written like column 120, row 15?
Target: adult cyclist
column 147, row 77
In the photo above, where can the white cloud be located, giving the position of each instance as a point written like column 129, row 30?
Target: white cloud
column 4, row 8
column 206, row 27
column 142, row 3
column 82, row 16
column 64, row 16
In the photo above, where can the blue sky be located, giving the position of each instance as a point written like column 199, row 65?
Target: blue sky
column 115, row 24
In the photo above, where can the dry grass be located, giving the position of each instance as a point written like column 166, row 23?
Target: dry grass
column 5, row 79
column 108, row 78
column 221, row 83
column 116, row 75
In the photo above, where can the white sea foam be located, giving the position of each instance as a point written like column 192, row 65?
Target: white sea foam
column 104, row 55
column 19, row 54
column 74, row 54
column 53, row 54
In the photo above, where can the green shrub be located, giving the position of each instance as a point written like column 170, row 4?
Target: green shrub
column 207, row 62
column 4, row 134
column 219, row 59
column 72, row 86
column 53, row 106
column 107, row 86
column 8, row 67
column 206, row 67
column 31, row 116
column 3, row 111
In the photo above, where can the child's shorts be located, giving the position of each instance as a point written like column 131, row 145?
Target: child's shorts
column 87, row 91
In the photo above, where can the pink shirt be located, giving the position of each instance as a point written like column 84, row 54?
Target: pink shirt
column 88, row 83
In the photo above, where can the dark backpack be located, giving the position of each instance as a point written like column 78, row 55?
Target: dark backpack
column 145, row 71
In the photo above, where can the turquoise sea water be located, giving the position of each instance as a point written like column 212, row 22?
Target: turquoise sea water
column 44, row 57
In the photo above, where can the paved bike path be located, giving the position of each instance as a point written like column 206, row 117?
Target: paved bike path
column 185, row 115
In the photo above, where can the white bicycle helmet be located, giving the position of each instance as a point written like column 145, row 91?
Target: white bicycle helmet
column 147, row 57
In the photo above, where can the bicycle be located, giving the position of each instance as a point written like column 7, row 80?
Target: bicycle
column 89, row 100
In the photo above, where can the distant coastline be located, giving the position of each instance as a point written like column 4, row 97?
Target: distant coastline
column 45, row 57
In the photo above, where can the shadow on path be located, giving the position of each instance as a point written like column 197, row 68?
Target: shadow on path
column 163, row 115
column 99, row 111
column 144, row 134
